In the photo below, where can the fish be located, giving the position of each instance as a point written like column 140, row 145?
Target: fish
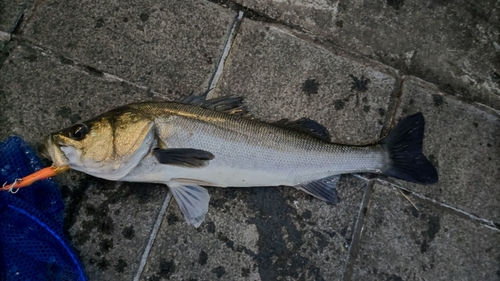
column 194, row 142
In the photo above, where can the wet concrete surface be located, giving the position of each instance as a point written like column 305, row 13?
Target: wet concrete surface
column 453, row 44
column 328, row 61
column 401, row 242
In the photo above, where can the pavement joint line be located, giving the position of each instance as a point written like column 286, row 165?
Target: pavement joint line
column 358, row 230
column 214, row 80
column 47, row 52
column 484, row 222
column 488, row 109
column 152, row 237
column 248, row 12
column 116, row 78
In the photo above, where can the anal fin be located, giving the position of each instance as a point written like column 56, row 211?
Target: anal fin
column 192, row 200
column 324, row 189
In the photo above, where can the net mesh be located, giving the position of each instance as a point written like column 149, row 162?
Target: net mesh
column 32, row 242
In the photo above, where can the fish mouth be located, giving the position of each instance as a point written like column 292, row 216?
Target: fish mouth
column 52, row 151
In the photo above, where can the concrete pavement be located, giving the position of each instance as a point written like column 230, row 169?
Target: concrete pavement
column 356, row 67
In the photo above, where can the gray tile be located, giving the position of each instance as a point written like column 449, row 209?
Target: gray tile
column 463, row 143
column 113, row 225
column 453, row 44
column 433, row 243
column 282, row 76
column 44, row 92
column 258, row 234
column 169, row 46
column 108, row 223
column 318, row 17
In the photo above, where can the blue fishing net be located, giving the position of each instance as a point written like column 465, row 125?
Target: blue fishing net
column 32, row 243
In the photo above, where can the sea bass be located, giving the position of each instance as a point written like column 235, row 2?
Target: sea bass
column 196, row 142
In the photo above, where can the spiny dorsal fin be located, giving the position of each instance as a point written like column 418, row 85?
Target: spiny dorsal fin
column 228, row 104
column 307, row 126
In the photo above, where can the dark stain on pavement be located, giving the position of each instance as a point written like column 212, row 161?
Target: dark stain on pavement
column 315, row 271
column 310, row 87
column 395, row 4
column 103, row 264
column 166, row 268
column 338, row 104
column 99, row 23
column 128, row 232
column 106, row 245
column 322, row 241
column 219, row 271
column 277, row 257
column 121, row 265
column 434, row 225
column 202, row 258
column 144, row 17
column 359, row 84
column 245, row 272
column 210, row 227
column 172, row 219
column 381, row 112
column 64, row 112
column 31, row 58
column 437, row 99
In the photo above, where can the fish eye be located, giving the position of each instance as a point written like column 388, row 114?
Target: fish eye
column 78, row 131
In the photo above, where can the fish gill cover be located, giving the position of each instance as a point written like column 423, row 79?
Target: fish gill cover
column 32, row 242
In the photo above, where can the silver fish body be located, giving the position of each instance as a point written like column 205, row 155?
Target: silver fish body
column 186, row 146
column 248, row 152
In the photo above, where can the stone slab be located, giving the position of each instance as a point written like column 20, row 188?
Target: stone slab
column 168, row 46
column 453, row 44
column 108, row 223
column 432, row 243
column 282, row 76
column 113, row 225
column 44, row 92
column 265, row 233
column 464, row 144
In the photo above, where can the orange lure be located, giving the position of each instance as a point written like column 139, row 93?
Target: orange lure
column 36, row 176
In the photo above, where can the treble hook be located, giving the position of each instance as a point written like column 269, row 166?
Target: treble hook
column 11, row 187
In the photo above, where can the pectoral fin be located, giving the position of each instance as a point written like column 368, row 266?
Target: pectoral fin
column 324, row 189
column 186, row 157
column 192, row 200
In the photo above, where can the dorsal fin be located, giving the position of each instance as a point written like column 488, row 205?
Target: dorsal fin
column 307, row 126
column 227, row 104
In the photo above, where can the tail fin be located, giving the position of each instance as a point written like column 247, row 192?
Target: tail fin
column 404, row 146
